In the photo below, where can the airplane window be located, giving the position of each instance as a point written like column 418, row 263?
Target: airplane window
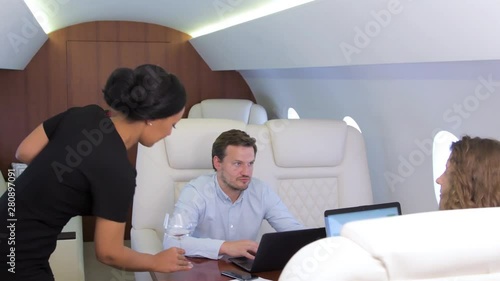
column 292, row 114
column 351, row 122
column 440, row 154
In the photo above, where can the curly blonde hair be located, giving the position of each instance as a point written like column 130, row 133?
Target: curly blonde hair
column 473, row 174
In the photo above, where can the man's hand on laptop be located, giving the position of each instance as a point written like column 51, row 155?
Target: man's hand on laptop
column 240, row 248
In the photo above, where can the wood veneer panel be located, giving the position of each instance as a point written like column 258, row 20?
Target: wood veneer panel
column 55, row 66
column 82, row 70
column 14, row 121
column 43, row 89
column 132, row 32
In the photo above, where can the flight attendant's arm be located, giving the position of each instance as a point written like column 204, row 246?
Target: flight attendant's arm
column 32, row 145
column 111, row 251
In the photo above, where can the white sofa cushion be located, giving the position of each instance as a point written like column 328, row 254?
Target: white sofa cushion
column 458, row 245
column 332, row 259
column 434, row 244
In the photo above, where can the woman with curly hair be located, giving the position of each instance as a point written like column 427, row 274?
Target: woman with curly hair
column 472, row 175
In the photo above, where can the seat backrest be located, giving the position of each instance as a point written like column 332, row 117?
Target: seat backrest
column 312, row 164
column 234, row 109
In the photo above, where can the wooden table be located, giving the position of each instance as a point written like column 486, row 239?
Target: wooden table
column 208, row 270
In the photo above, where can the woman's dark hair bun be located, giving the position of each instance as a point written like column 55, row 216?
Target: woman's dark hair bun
column 147, row 92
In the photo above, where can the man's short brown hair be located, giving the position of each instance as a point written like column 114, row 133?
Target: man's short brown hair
column 232, row 137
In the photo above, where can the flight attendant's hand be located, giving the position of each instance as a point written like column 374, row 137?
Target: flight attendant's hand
column 172, row 259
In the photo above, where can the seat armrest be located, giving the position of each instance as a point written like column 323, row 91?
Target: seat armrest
column 66, row 235
column 67, row 260
column 145, row 241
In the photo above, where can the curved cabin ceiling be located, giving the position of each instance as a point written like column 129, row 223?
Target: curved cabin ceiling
column 326, row 33
column 24, row 24
column 317, row 33
column 20, row 35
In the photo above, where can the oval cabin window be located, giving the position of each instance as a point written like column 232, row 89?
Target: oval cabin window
column 292, row 113
column 350, row 121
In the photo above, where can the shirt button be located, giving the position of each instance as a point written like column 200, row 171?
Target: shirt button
column 231, row 226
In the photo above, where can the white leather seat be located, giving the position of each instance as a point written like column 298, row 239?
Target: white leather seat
column 312, row 164
column 461, row 245
column 234, row 109
column 3, row 184
column 67, row 261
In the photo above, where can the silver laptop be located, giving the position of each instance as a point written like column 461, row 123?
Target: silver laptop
column 335, row 219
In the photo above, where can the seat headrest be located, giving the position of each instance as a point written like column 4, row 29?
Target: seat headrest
column 293, row 145
column 235, row 109
column 190, row 144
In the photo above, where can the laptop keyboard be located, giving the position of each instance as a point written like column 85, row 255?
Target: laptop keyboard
column 246, row 262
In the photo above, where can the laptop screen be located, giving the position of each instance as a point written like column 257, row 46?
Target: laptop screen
column 335, row 219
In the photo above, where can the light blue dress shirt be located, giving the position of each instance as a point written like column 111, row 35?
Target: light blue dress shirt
column 216, row 219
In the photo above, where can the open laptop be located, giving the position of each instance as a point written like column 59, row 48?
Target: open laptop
column 276, row 249
column 335, row 219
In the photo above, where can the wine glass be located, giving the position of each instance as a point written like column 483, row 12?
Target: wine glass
column 177, row 226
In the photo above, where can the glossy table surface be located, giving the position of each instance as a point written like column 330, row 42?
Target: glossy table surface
column 208, row 270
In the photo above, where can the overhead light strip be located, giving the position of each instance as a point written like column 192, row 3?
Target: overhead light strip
column 44, row 12
column 271, row 8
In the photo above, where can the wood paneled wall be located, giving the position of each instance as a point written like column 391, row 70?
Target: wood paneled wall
column 72, row 66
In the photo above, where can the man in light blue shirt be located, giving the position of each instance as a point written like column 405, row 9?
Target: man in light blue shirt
column 226, row 208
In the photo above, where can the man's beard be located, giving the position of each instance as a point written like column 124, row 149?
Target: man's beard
column 234, row 187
